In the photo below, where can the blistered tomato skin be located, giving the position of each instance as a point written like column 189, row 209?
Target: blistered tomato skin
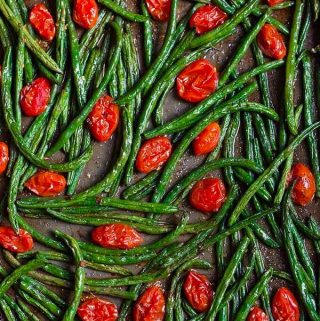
column 116, row 236
column 207, row 140
column 197, row 81
column 13, row 242
column 159, row 9
column 207, row 18
column 42, row 21
column 103, row 119
column 304, row 184
column 285, row 306
column 34, row 97
column 198, row 291
column 150, row 306
column 46, row 183
column 4, row 157
column 272, row 3
column 153, row 154
column 96, row 309
column 85, row 13
column 208, row 195
column 271, row 42
column 257, row 314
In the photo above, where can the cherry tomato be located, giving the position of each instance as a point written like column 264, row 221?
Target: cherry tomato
column 4, row 157
column 153, row 154
column 304, row 186
column 271, row 42
column 11, row 241
column 103, row 119
column 272, row 3
column 34, row 97
column 159, row 9
column 197, row 81
column 207, row 140
column 46, row 183
column 198, row 291
column 207, row 18
column 208, row 195
column 96, row 309
column 42, row 21
column 285, row 306
column 116, row 236
column 150, row 306
column 85, row 13
column 257, row 314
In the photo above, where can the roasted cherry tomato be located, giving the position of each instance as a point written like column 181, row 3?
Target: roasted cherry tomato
column 4, row 157
column 198, row 291
column 272, row 3
column 34, row 97
column 271, row 42
column 116, row 236
column 42, row 21
column 285, row 306
column 207, row 140
column 197, row 81
column 11, row 241
column 257, row 314
column 85, row 13
column 207, row 18
column 46, row 183
column 304, row 186
column 103, row 119
column 153, row 154
column 96, row 309
column 159, row 9
column 208, row 195
column 150, row 306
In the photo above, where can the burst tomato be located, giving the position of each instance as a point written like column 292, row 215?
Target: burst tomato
column 11, row 241
column 272, row 3
column 207, row 140
column 4, row 157
column 159, row 9
column 197, row 81
column 271, row 42
column 257, row 314
column 85, row 13
column 285, row 306
column 150, row 306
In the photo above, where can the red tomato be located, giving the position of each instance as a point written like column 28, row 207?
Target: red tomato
column 197, row 81
column 285, row 306
column 85, row 13
column 4, row 157
column 116, row 236
column 272, row 3
column 207, row 18
column 208, row 195
column 150, row 306
column 46, row 183
column 159, row 9
column 271, row 42
column 257, row 314
column 304, row 186
column 41, row 20
column 198, row 291
column 97, row 310
column 207, row 140
column 103, row 119
column 34, row 97
column 153, row 154
column 11, row 241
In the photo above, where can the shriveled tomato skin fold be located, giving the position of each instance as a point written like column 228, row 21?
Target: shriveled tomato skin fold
column 13, row 242
column 257, row 314
column 4, row 157
column 85, row 13
column 272, row 3
column 159, row 9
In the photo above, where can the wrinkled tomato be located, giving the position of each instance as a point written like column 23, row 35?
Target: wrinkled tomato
column 285, row 306
column 208, row 195
column 271, row 42
column 304, row 186
column 257, row 314
column 42, row 21
column 159, row 9
column 103, row 119
column 207, row 18
column 198, row 291
column 46, row 183
column 96, row 309
column 153, row 154
column 4, row 157
column 34, row 97
column 207, row 140
column 85, row 13
column 272, row 3
column 150, row 306
column 11, row 241
column 116, row 236
column 197, row 81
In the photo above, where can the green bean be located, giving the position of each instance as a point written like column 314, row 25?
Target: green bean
column 5, row 38
column 27, row 311
column 7, row 310
column 147, row 35
column 15, row 307
column 283, row 275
